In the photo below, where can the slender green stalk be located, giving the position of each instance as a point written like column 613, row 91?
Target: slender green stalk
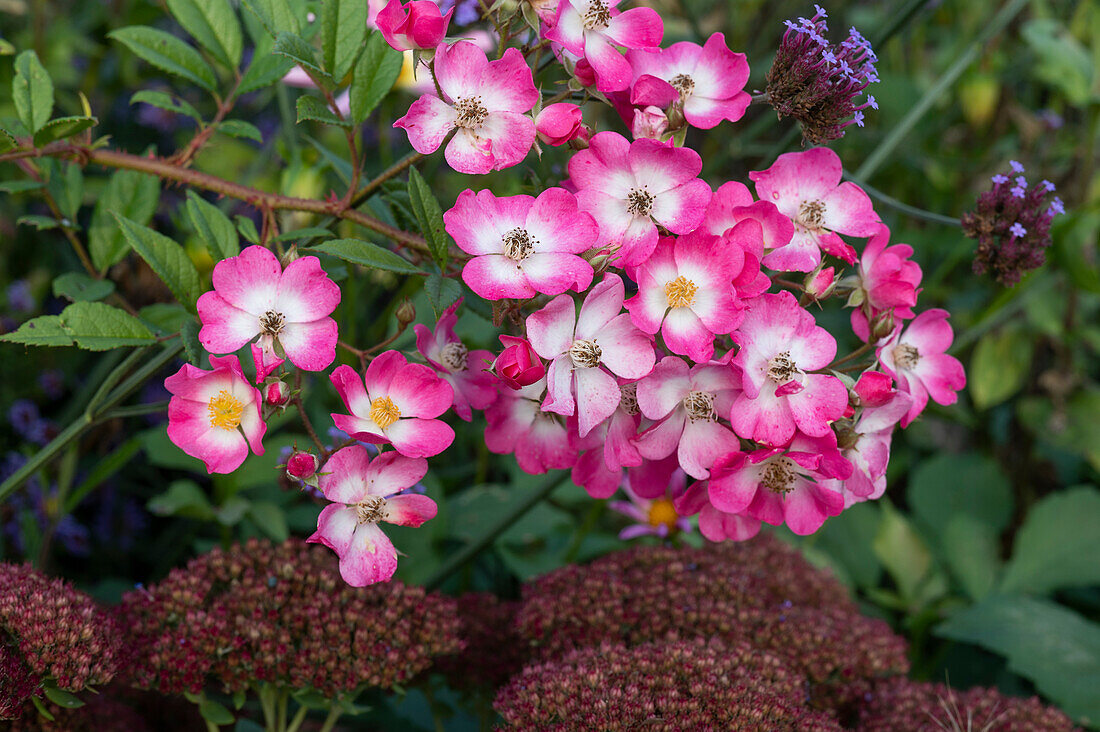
column 284, row 699
column 330, row 720
column 299, row 717
column 136, row 410
column 114, row 377
column 905, row 208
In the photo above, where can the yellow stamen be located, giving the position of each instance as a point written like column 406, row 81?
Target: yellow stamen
column 680, row 292
column 662, row 513
column 384, row 412
column 225, row 411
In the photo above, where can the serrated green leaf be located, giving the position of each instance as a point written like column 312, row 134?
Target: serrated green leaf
column 42, row 223
column 167, row 102
column 240, row 128
column 312, row 108
column 96, row 326
column 213, row 227
column 362, row 252
column 430, row 217
column 276, row 16
column 67, row 188
column 247, row 228
column 214, row 25
column 265, row 70
column 375, row 74
column 42, row 331
column 62, row 698
column 442, row 292
column 343, row 25
column 32, row 91
column 1058, row 545
column 189, row 335
column 297, row 50
column 167, row 53
column 132, row 194
column 79, row 287
column 165, row 257
column 21, row 186
column 62, row 128
column 165, row 318
column 310, row 232
column 270, row 519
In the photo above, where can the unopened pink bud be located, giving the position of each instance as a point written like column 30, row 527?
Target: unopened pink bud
column 559, row 123
column 275, row 394
column 416, row 24
column 302, row 465
column 650, row 122
column 518, row 365
column 820, row 284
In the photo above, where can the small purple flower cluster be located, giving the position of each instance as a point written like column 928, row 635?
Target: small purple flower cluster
column 1012, row 225
column 819, row 83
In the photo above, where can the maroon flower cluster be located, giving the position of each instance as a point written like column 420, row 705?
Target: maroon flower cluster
column 901, row 704
column 493, row 651
column 690, row 684
column 282, row 614
column 103, row 712
column 18, row 683
column 57, row 630
column 1012, row 226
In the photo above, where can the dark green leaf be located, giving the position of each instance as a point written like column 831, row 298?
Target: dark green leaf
column 132, row 194
column 972, row 552
column 903, row 552
column 167, row 53
column 32, row 91
column 62, row 128
column 62, row 698
column 311, row 232
column 343, row 25
column 375, row 74
column 96, row 326
column 232, row 511
column 216, row 713
column 264, row 71
column 430, row 217
column 183, row 498
column 165, row 257
column 311, row 108
column 41, row 707
column 42, row 331
column 41, row 223
column 7, row 141
column 214, row 25
column 277, row 16
column 213, row 227
column 247, row 228
column 19, row 186
column 165, row 318
column 240, row 128
column 270, row 519
column 189, row 335
column 361, row 252
column 999, row 366
column 67, row 188
column 442, row 292
column 80, row 287
column 1059, row 544
column 297, row 50
column 167, row 102
column 947, row 484
column 1072, row 429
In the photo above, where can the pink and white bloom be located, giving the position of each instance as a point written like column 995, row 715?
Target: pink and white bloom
column 685, row 290
column 608, row 448
column 706, row 81
column 215, row 415
column 630, row 187
column 518, row 365
column 485, row 100
column 686, row 403
column 917, row 358
column 579, row 348
column 522, row 246
column 560, row 123
column 593, row 28
column 465, row 370
column 287, row 309
column 806, row 187
column 653, row 516
column 889, row 280
column 732, row 204
column 517, row 424
column 866, row 445
column 715, row 525
column 362, row 494
column 398, row 406
column 415, row 24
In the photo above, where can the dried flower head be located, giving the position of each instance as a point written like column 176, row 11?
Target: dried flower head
column 19, row 684
column 818, row 83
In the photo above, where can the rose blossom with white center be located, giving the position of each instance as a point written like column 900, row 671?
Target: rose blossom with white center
column 806, row 187
column 715, row 525
column 517, row 424
column 917, row 358
column 522, row 246
column 485, row 100
column 362, row 491
column 254, row 296
column 780, row 347
column 686, row 403
column 630, row 187
column 732, row 204
column 608, row 448
column 889, row 280
column 465, row 370
column 580, row 346
column 592, row 28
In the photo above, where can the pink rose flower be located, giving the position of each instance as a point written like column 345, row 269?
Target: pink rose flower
column 517, row 424
column 592, row 28
column 254, row 296
column 889, row 281
column 867, row 442
column 522, row 246
column 733, row 203
column 275, row 394
column 715, row 525
column 399, row 405
column 806, row 187
column 559, row 123
column 917, row 358
column 518, row 365
column 820, row 284
column 215, row 415
column 630, row 187
column 485, row 100
column 362, row 491
column 474, row 387
column 415, row 24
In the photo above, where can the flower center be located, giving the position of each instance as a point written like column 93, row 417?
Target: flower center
column 518, row 245
column 271, row 323
column 639, row 202
column 585, row 354
column 454, row 356
column 779, row 475
column 225, row 410
column 471, row 112
column 683, row 84
column 810, row 214
column 662, row 513
column 384, row 412
column 371, row 510
column 700, row 405
column 597, row 17
column 782, row 368
column 628, row 400
column 680, row 292
column 906, row 356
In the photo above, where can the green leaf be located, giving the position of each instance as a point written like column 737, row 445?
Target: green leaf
column 247, row 228
column 430, row 217
column 297, row 50
column 167, row 53
column 41, row 707
column 42, row 223
column 62, row 128
column 167, row 102
column 846, row 537
column 1052, row 646
column 6, row 49
column 1058, row 545
column 240, row 128
column 343, row 25
column 214, row 25
column 213, row 227
column 167, row 258
column 311, row 108
column 264, row 71
column 42, row 331
column 62, row 698
column 189, row 335
column 375, row 74
column 270, row 519
column 7, row 141
column 1072, row 429
column 947, row 484
column 442, row 292
column 310, row 232
column 277, row 16
column 362, row 252
column 80, row 287
column 20, row 186
column 67, row 188
column 1062, row 61
column 183, row 498
column 232, row 511
column 165, row 318
column 32, row 91
column 132, row 194
column 96, row 326
column 972, row 553
column 216, row 713
column 902, row 551
column 1000, row 366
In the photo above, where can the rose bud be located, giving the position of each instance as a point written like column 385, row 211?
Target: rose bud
column 546, row 10
column 559, row 123
column 650, row 122
column 413, row 25
column 405, row 313
column 518, row 365
column 820, row 284
column 275, row 394
column 302, row 466
column 874, row 389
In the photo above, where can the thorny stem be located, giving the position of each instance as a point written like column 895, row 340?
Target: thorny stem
column 366, row 191
column 185, row 156
column 302, row 412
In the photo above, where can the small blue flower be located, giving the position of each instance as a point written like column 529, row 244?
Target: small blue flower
column 1000, row 179
column 1017, row 230
column 1016, row 167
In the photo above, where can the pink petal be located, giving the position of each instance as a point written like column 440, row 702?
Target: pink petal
column 469, row 152
column 225, row 328
column 797, row 177
column 344, row 476
column 598, row 397
column 417, row 391
column 550, row 330
column 682, row 208
column 428, row 121
column 662, row 391
column 380, row 374
column 335, row 528
column 558, row 225
column 552, row 273
column 410, row 510
column 420, row 437
column 820, row 403
column 559, row 388
column 510, row 135
column 625, row 349
column 602, row 166
column 685, row 334
column 460, row 69
column 662, row 439
column 507, row 86
column 849, row 210
column 305, row 292
column 807, row 507
column 613, row 72
column 929, row 332
column 495, row 277
column 221, row 450
column 635, row 28
column 600, row 306
column 310, row 346
column 701, row 444
column 350, row 388
column 371, row 557
column 659, row 168
column 250, row 280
